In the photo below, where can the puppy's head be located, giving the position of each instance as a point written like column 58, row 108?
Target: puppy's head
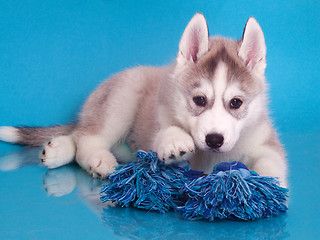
column 220, row 84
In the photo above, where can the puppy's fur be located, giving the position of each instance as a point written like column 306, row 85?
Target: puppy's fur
column 209, row 106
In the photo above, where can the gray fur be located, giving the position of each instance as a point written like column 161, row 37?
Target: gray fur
column 37, row 136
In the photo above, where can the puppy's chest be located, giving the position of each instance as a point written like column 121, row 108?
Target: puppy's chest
column 206, row 161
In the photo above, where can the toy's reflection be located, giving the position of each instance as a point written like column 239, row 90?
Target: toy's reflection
column 132, row 223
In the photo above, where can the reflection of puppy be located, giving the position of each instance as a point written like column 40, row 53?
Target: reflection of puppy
column 61, row 181
column 209, row 106
column 64, row 180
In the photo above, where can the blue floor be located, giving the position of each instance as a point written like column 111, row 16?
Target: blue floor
column 63, row 203
column 54, row 53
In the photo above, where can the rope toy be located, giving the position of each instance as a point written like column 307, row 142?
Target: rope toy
column 231, row 191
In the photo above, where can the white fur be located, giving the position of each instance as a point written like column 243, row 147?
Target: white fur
column 9, row 134
column 58, row 152
column 267, row 161
column 171, row 142
column 94, row 157
column 102, row 162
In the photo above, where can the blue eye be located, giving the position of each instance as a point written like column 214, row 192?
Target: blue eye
column 200, row 101
column 235, row 103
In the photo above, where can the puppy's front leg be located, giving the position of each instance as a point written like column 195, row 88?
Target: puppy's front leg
column 271, row 163
column 173, row 144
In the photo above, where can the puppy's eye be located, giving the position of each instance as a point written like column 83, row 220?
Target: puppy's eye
column 200, row 101
column 235, row 103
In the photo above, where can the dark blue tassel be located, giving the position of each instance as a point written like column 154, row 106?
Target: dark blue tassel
column 145, row 183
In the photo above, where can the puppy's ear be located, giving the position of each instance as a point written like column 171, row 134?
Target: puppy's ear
column 194, row 41
column 253, row 48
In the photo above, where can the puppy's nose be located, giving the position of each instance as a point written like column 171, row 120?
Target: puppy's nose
column 214, row 140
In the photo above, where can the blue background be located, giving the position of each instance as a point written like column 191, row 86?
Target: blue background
column 54, row 53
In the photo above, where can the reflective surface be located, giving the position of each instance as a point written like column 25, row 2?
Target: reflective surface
column 54, row 53
column 37, row 203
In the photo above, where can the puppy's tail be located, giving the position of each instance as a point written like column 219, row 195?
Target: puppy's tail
column 33, row 136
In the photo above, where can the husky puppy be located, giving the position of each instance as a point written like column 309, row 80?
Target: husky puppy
column 208, row 106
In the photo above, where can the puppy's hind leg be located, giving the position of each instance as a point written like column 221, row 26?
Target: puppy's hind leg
column 106, row 120
column 93, row 149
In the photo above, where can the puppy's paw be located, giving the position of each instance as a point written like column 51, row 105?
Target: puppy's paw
column 101, row 163
column 57, row 152
column 174, row 144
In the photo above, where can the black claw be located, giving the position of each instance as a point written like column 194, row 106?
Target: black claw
column 182, row 153
column 42, row 160
column 172, row 156
column 43, row 152
column 49, row 142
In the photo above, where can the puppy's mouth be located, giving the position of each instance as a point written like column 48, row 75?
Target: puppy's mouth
column 213, row 150
column 205, row 148
column 225, row 148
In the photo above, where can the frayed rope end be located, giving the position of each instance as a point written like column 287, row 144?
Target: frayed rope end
column 232, row 191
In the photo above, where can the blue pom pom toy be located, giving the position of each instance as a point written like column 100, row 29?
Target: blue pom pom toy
column 231, row 191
